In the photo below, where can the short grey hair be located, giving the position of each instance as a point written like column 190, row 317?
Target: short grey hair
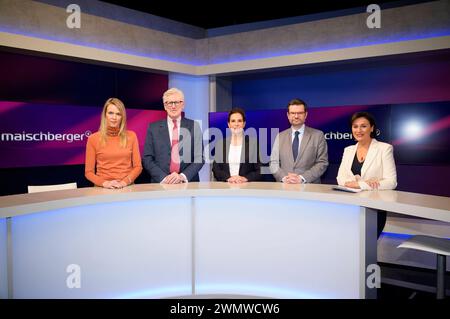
column 173, row 91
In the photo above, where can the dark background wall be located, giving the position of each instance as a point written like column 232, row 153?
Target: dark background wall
column 397, row 79
column 28, row 78
column 411, row 78
column 414, row 78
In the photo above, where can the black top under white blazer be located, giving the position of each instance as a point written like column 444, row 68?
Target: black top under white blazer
column 379, row 163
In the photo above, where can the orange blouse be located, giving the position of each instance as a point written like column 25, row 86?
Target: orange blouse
column 111, row 161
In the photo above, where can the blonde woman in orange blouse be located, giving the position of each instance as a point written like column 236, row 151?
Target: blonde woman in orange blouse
column 112, row 153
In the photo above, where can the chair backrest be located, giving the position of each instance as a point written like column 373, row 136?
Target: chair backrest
column 47, row 188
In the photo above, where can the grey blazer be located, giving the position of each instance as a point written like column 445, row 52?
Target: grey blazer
column 157, row 150
column 312, row 160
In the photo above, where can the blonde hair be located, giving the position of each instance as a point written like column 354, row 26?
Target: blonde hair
column 123, row 123
column 173, row 91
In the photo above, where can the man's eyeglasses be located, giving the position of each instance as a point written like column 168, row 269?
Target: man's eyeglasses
column 176, row 103
column 297, row 113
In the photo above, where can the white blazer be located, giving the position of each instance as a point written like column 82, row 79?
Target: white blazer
column 379, row 163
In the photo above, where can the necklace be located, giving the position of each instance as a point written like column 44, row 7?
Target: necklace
column 361, row 155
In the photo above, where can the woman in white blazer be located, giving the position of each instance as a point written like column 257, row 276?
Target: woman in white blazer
column 369, row 164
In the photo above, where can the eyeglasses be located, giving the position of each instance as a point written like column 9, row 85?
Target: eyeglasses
column 297, row 113
column 175, row 103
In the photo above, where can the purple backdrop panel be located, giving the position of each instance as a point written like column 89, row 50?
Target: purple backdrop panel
column 333, row 121
column 51, row 81
column 47, row 135
column 420, row 132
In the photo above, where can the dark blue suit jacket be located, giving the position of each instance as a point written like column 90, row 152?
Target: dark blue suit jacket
column 157, row 150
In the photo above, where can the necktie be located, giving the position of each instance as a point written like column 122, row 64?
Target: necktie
column 175, row 155
column 295, row 145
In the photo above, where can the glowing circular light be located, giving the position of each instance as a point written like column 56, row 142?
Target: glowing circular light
column 413, row 129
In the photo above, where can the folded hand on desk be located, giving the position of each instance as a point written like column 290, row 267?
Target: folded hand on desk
column 114, row 184
column 173, row 178
column 292, row 178
column 236, row 179
column 373, row 182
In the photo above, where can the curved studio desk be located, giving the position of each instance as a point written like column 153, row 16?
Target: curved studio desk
column 197, row 239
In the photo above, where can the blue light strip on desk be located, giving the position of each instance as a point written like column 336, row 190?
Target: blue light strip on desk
column 396, row 235
column 259, row 291
column 220, row 289
column 156, row 293
column 406, row 236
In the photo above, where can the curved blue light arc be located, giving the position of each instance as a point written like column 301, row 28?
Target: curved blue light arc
column 221, row 289
column 100, row 46
column 401, row 236
column 163, row 292
column 242, row 57
column 326, row 47
column 259, row 291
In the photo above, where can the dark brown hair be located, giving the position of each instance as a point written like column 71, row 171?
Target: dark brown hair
column 368, row 117
column 236, row 110
column 297, row 102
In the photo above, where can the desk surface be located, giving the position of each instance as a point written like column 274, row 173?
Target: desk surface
column 413, row 204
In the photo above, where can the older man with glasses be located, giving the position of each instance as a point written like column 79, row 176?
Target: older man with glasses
column 173, row 151
column 300, row 153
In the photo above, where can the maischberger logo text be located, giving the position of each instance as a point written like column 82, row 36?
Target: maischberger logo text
column 343, row 136
column 43, row 136
column 338, row 136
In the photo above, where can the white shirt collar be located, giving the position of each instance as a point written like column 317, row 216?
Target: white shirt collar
column 170, row 121
column 301, row 130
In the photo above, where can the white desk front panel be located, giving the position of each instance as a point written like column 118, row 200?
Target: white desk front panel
column 128, row 249
column 273, row 247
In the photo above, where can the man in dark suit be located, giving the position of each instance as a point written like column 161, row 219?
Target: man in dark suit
column 173, row 151
column 300, row 153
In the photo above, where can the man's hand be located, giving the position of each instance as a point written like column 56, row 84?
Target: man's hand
column 292, row 178
column 173, row 178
